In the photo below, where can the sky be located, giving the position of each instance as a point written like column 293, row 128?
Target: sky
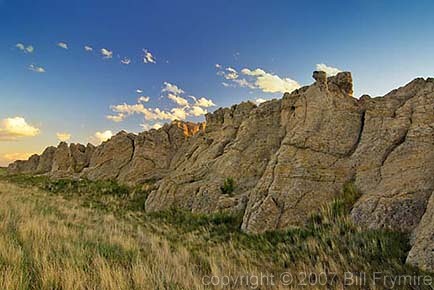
column 80, row 71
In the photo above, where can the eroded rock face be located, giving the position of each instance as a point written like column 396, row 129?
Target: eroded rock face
column 24, row 166
column 395, row 160
column 422, row 252
column 45, row 163
column 322, row 126
column 237, row 143
column 154, row 150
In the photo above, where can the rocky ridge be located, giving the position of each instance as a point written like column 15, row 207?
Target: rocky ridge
column 288, row 157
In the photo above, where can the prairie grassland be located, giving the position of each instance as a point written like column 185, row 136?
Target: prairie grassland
column 58, row 240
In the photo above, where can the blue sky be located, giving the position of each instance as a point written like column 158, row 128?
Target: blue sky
column 383, row 43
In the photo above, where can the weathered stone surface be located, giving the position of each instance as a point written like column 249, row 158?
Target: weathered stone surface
column 154, row 150
column 62, row 159
column 24, row 166
column 422, row 252
column 394, row 162
column 111, row 157
column 237, row 143
column 322, row 125
column 81, row 156
column 46, row 160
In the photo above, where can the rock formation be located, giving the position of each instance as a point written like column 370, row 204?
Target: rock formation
column 287, row 158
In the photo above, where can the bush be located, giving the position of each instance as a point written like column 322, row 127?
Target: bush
column 228, row 186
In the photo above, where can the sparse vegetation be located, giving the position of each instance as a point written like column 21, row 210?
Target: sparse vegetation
column 228, row 186
column 52, row 236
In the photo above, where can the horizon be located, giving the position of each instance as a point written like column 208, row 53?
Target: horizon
column 81, row 72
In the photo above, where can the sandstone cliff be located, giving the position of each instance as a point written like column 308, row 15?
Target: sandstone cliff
column 287, row 157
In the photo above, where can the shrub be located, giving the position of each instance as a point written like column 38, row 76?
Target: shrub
column 228, row 186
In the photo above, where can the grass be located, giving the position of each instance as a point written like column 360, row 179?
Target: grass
column 228, row 186
column 52, row 236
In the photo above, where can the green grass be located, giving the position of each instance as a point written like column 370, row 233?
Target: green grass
column 228, row 186
column 106, row 194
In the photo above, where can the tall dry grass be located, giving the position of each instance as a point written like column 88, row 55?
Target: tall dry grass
column 48, row 241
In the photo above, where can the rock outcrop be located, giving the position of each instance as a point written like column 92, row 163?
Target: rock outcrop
column 287, row 157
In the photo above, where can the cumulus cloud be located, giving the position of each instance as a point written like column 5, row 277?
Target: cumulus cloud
column 143, row 99
column 182, row 111
column 148, row 57
column 100, row 137
column 257, row 79
column 8, row 158
column 62, row 44
column 218, row 66
column 106, row 53
column 170, row 88
column 116, row 118
column 88, row 48
column 177, row 99
column 197, row 111
column 148, row 127
column 139, row 91
column 126, row 60
column 228, row 73
column 16, row 127
column 63, row 137
column 260, row 101
column 25, row 49
column 37, row 69
column 329, row 70
column 271, row 83
column 203, row 102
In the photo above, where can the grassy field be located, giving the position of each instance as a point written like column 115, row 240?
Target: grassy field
column 86, row 235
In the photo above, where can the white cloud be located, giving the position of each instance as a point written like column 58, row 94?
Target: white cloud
column 16, row 127
column 125, row 60
column 103, row 136
column 37, row 69
column 106, row 53
column 20, row 46
column 148, row 127
column 257, row 79
column 229, row 73
column 148, row 57
column 63, row 137
column 139, row 91
column 270, row 83
column 218, row 66
column 329, row 70
column 116, row 118
column 203, row 102
column 197, row 111
column 182, row 110
column 170, row 88
column 244, row 83
column 177, row 99
column 124, row 110
column 179, row 113
column 88, row 48
column 25, row 49
column 143, row 99
column 260, row 101
column 62, row 44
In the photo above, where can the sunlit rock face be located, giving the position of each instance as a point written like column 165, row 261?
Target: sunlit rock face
column 287, row 158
